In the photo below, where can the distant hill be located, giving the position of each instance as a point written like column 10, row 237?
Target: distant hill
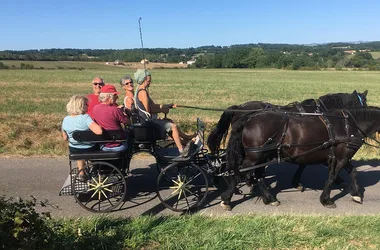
column 234, row 56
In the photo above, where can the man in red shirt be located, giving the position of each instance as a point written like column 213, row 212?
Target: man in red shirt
column 109, row 116
column 93, row 99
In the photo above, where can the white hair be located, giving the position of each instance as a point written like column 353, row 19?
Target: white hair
column 103, row 97
column 77, row 105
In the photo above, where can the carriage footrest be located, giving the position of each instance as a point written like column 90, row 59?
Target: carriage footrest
column 96, row 155
column 66, row 187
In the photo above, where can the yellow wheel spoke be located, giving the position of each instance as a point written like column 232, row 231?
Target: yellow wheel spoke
column 192, row 178
column 94, row 180
column 103, row 181
column 103, row 194
column 96, row 191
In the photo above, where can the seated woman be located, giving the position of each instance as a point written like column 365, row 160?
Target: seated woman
column 148, row 110
column 110, row 117
column 78, row 120
column 127, row 84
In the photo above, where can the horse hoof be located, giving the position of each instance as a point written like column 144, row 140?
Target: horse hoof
column 300, row 187
column 333, row 205
column 225, row 206
column 275, row 203
column 357, row 199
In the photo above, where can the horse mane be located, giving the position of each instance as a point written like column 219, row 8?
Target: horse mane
column 342, row 100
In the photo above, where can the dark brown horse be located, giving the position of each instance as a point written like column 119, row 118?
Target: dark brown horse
column 244, row 111
column 332, row 139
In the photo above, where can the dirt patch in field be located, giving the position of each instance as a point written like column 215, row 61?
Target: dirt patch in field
column 137, row 65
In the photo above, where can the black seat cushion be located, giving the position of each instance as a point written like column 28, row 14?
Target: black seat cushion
column 97, row 155
column 106, row 136
column 147, row 131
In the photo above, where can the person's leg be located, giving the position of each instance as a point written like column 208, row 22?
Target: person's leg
column 80, row 164
column 176, row 137
column 185, row 136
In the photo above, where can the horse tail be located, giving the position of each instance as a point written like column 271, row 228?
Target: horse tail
column 221, row 130
column 235, row 150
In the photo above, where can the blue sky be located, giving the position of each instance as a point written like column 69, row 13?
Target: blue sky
column 113, row 24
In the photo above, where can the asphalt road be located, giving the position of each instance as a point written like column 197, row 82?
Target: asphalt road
column 44, row 177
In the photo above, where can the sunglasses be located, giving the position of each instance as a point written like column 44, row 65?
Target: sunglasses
column 98, row 83
column 128, row 83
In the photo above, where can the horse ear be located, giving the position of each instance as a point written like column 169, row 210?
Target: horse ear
column 355, row 92
column 365, row 93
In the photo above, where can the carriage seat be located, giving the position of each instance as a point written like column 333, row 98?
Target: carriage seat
column 90, row 137
column 146, row 132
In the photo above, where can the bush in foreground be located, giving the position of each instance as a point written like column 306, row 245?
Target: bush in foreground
column 21, row 227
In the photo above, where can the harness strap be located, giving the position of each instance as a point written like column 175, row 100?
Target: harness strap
column 300, row 108
column 354, row 142
column 320, row 104
column 266, row 145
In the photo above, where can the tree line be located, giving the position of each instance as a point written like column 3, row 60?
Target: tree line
column 261, row 55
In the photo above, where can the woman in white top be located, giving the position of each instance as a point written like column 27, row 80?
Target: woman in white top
column 127, row 84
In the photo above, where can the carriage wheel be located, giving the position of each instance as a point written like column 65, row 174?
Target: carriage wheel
column 102, row 188
column 182, row 187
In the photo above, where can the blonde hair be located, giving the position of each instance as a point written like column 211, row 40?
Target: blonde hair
column 77, row 105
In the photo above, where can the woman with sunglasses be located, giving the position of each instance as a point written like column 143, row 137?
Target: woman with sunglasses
column 127, row 84
column 97, row 84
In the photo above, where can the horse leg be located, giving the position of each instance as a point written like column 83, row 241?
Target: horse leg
column 267, row 196
column 297, row 177
column 334, row 167
column 227, row 195
column 354, row 187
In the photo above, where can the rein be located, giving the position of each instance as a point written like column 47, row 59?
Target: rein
column 245, row 110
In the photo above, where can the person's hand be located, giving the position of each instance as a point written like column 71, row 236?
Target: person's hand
column 165, row 110
column 169, row 106
column 174, row 106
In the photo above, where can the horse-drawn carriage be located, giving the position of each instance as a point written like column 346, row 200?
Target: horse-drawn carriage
column 182, row 182
column 260, row 135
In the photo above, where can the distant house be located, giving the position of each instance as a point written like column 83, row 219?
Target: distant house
column 144, row 61
column 118, row 62
column 190, row 62
column 351, row 52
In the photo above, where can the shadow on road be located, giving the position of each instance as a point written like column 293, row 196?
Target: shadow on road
column 141, row 184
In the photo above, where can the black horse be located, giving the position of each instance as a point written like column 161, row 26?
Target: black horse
column 243, row 112
column 332, row 138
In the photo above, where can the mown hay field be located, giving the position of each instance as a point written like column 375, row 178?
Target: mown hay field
column 33, row 102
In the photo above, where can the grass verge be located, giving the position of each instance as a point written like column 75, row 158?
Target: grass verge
column 238, row 232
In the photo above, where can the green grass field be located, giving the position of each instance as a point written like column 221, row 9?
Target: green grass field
column 33, row 102
column 375, row 55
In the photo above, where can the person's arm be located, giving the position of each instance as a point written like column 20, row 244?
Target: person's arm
column 129, row 102
column 64, row 135
column 94, row 127
column 150, row 106
column 123, row 119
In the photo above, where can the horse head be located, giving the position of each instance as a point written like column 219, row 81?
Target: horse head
column 362, row 97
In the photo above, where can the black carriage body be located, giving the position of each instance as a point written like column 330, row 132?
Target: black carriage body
column 105, row 187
